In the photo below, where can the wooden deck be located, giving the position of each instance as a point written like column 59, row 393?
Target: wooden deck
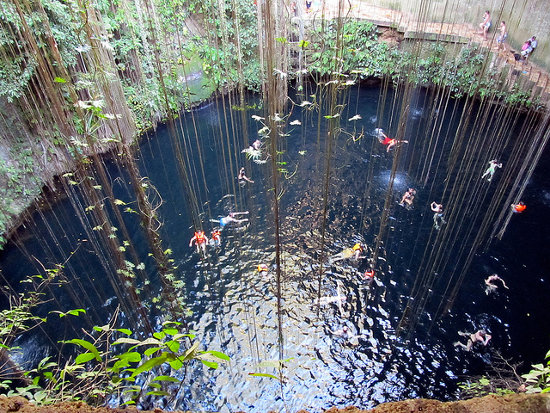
column 525, row 74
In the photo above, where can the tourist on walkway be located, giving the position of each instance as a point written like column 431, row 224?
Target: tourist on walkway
column 502, row 36
column 485, row 24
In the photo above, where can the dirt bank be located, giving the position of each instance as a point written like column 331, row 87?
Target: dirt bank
column 513, row 403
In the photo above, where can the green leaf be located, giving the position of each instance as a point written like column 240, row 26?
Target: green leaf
column 76, row 312
column 159, row 335
column 190, row 353
column 131, row 356
column 124, row 331
column 176, row 364
column 125, row 340
column 150, row 364
column 211, row 364
column 166, row 378
column 59, row 80
column 87, row 345
column 271, row 376
column 151, row 351
column 173, row 345
column 84, row 358
column 157, row 393
column 218, row 354
column 171, row 331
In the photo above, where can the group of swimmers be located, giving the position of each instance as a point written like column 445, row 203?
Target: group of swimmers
column 481, row 336
column 201, row 240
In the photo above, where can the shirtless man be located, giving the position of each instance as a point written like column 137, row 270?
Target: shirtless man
column 438, row 214
column 223, row 221
column 490, row 285
column 480, row 336
column 408, row 198
column 243, row 179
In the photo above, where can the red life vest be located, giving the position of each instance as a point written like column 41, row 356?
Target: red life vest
column 520, row 207
column 200, row 238
column 369, row 274
column 216, row 235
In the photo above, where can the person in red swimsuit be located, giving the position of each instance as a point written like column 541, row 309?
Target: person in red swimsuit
column 368, row 275
column 519, row 208
column 387, row 141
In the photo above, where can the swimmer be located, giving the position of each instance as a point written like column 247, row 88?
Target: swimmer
column 223, row 221
column 342, row 332
column 216, row 237
column 262, row 269
column 200, row 241
column 253, row 151
column 331, row 299
column 243, row 179
column 518, row 208
column 490, row 285
column 438, row 214
column 368, row 275
column 480, row 336
column 491, row 169
column 353, row 252
column 385, row 140
column 347, row 334
column 408, row 198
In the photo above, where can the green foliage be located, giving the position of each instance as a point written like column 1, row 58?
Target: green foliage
column 538, row 379
column 18, row 62
column 481, row 387
column 112, row 367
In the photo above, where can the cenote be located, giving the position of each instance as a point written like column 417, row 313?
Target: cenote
column 428, row 284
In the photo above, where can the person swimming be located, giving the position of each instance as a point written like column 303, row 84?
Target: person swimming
column 216, row 237
column 353, row 252
column 387, row 141
column 518, row 208
column 490, row 286
column 438, row 214
column 480, row 336
column 408, row 198
column 200, row 241
column 223, row 221
column 368, row 275
column 242, row 178
column 491, row 169
column 262, row 269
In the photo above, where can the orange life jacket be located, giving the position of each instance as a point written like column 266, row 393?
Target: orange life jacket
column 520, row 207
column 369, row 273
column 200, row 238
column 216, row 235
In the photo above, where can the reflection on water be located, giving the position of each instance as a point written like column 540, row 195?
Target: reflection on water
column 348, row 352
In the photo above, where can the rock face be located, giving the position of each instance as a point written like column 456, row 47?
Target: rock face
column 512, row 403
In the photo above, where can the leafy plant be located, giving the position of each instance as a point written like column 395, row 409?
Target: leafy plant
column 538, row 379
column 113, row 366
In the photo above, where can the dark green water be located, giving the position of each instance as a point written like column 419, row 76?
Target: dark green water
column 234, row 308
